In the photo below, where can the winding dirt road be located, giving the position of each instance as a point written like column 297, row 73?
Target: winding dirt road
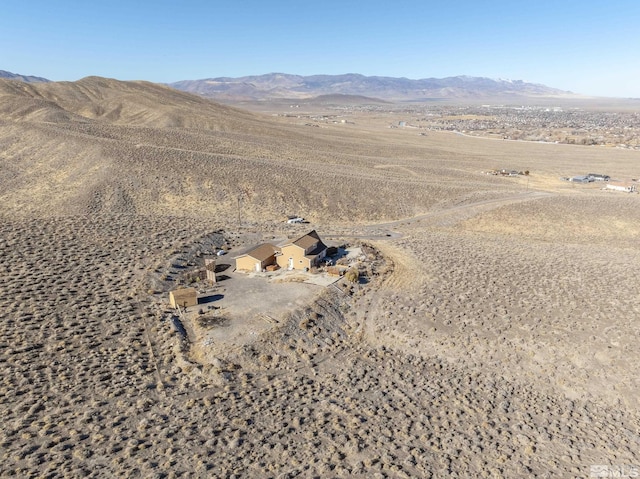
column 470, row 209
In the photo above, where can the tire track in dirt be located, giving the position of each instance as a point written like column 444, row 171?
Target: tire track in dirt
column 385, row 231
column 405, row 269
column 478, row 206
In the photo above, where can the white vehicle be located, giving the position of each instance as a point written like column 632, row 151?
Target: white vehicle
column 295, row 220
column 221, row 252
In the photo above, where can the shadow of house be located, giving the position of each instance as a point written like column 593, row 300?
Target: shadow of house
column 222, row 267
column 210, row 299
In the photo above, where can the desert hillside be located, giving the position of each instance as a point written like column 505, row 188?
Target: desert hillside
column 491, row 332
column 137, row 147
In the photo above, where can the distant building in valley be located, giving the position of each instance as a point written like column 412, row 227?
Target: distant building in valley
column 581, row 179
column 624, row 187
column 598, row 177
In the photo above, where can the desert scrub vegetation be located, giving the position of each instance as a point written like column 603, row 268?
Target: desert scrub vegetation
column 352, row 274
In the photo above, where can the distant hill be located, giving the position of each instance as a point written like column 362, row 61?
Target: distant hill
column 103, row 146
column 115, row 102
column 24, row 78
column 281, row 85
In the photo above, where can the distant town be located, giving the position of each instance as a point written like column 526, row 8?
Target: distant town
column 544, row 124
column 550, row 124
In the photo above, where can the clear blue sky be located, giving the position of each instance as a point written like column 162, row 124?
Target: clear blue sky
column 590, row 47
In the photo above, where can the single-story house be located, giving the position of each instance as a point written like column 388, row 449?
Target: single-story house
column 184, row 297
column 257, row 258
column 305, row 252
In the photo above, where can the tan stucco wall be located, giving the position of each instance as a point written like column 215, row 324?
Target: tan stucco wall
column 246, row 263
column 295, row 252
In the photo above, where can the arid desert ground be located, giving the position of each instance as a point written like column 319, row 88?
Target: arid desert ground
column 494, row 331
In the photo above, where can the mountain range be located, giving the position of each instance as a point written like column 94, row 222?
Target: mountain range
column 281, row 85
column 274, row 86
column 24, row 78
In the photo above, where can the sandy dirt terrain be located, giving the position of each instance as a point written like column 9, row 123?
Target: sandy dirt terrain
column 493, row 332
column 245, row 306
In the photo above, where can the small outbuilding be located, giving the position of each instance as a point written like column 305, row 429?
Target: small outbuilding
column 184, row 297
column 210, row 268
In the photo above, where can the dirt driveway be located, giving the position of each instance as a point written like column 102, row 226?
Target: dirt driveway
column 244, row 305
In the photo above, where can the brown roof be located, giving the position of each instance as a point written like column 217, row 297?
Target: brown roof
column 308, row 240
column 183, row 293
column 262, row 252
column 319, row 248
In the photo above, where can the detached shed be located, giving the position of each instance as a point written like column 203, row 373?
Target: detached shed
column 210, row 267
column 183, row 297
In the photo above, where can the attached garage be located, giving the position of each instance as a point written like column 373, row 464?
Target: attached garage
column 257, row 259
